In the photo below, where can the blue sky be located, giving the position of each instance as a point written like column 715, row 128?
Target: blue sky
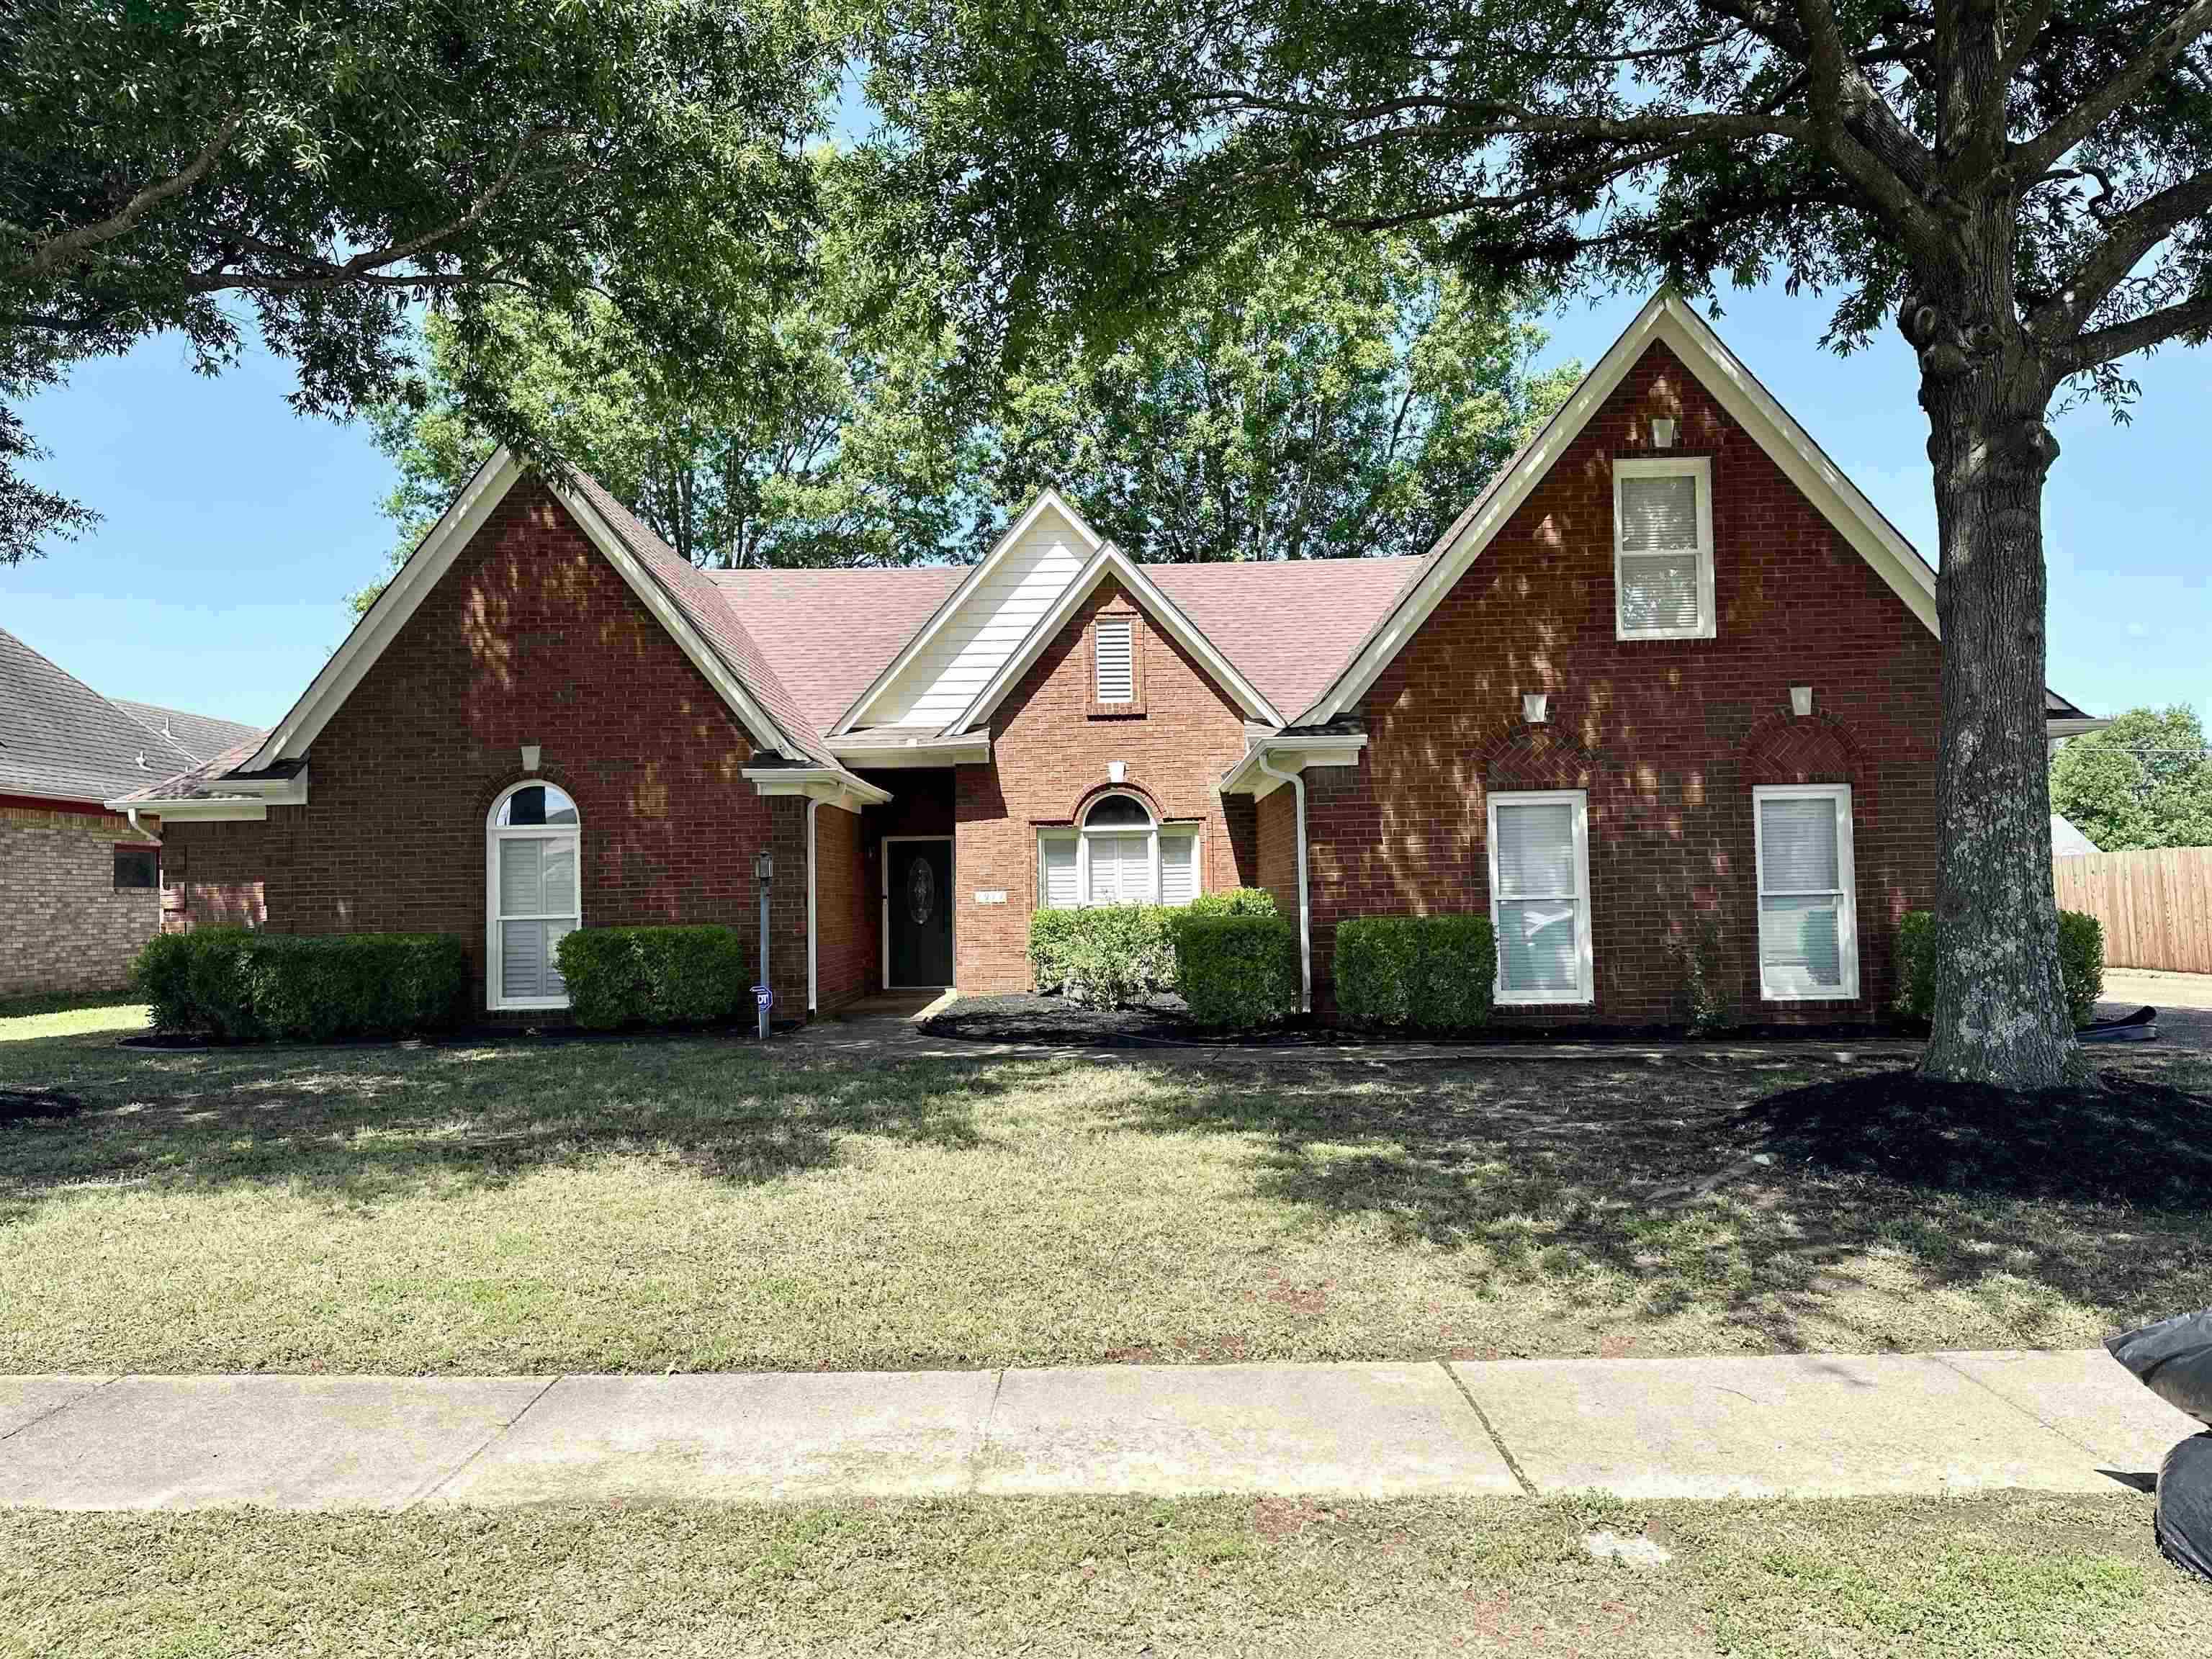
column 235, row 528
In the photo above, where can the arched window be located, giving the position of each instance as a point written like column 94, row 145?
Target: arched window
column 1117, row 855
column 534, row 895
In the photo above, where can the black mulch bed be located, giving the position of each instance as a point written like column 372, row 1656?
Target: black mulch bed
column 2120, row 1140
column 20, row 1105
column 1026, row 1017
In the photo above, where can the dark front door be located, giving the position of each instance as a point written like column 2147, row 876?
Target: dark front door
column 919, row 875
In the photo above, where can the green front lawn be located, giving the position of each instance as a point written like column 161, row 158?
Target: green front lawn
column 696, row 1204
column 2006, row 1575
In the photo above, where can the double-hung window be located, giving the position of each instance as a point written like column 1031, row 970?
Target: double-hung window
column 535, row 896
column 1539, row 895
column 1663, row 548
column 1118, row 855
column 1808, row 947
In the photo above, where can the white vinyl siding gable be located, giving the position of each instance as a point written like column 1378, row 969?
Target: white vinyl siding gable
column 988, row 627
column 1539, row 895
column 1115, row 664
column 1662, row 549
column 1808, row 912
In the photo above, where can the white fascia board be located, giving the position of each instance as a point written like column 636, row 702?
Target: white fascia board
column 757, row 720
column 969, row 748
column 1290, row 754
column 1110, row 560
column 1664, row 317
column 831, row 786
column 276, row 792
column 432, row 557
column 965, row 589
column 220, row 809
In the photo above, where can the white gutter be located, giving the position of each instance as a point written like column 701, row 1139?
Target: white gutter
column 813, row 805
column 1305, row 908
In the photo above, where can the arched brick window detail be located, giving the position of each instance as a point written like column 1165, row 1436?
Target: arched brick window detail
column 1539, row 758
column 1818, row 749
column 1085, row 801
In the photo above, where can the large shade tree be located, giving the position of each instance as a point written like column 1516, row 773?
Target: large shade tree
column 213, row 167
column 2022, row 187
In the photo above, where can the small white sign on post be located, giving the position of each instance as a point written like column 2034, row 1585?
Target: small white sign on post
column 992, row 896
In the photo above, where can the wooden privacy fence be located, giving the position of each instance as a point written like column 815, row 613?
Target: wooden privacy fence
column 2156, row 906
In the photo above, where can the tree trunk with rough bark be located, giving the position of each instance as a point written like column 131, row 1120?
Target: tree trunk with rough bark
column 2000, row 1014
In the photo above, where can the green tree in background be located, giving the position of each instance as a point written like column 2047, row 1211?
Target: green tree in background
column 213, row 168
column 1330, row 396
column 830, row 429
column 1326, row 395
column 2144, row 780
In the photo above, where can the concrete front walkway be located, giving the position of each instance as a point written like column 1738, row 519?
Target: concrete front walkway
column 1801, row 1425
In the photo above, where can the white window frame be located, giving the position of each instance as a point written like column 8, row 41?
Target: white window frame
column 1699, row 467
column 1585, row 989
column 1847, row 908
column 1082, row 835
column 494, row 834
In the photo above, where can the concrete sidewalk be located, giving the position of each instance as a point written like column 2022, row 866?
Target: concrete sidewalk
column 1800, row 1425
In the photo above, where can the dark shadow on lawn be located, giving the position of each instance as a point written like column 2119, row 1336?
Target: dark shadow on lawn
column 2121, row 1139
column 359, row 1124
column 1657, row 1171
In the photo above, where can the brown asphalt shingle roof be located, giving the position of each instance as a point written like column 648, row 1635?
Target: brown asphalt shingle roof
column 198, row 783
column 1288, row 625
column 830, row 633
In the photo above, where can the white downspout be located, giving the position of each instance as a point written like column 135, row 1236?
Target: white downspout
column 1305, row 908
column 812, row 807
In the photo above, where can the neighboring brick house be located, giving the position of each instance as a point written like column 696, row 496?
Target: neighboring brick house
column 80, row 885
column 1670, row 679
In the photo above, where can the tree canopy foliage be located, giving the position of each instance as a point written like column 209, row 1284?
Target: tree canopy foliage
column 2144, row 780
column 1330, row 396
column 207, row 167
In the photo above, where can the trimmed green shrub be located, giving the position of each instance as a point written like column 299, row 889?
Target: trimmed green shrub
column 1239, row 968
column 622, row 976
column 2080, row 962
column 1425, row 972
column 1232, row 901
column 228, row 985
column 1104, row 955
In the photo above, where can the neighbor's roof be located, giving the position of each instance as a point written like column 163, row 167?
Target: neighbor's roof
column 61, row 740
column 201, row 736
column 2067, row 842
column 1286, row 624
column 196, row 783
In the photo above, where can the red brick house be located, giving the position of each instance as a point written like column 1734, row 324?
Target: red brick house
column 79, row 882
column 1670, row 674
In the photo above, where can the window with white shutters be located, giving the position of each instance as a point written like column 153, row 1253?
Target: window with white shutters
column 1807, row 920
column 1662, row 568
column 1178, row 866
column 1118, row 855
column 1114, row 646
column 1539, row 895
column 535, row 895
column 1056, row 888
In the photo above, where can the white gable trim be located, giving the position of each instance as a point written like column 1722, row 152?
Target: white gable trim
column 1111, row 560
column 965, row 589
column 434, row 556
column 1664, row 320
